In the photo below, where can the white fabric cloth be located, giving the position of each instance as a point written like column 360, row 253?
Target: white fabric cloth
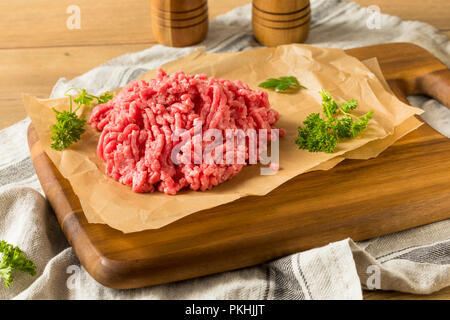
column 416, row 260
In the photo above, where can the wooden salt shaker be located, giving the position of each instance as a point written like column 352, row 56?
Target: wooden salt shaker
column 179, row 23
column 277, row 22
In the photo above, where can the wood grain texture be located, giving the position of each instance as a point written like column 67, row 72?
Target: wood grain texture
column 31, row 42
column 179, row 23
column 434, row 12
column 35, row 71
column 281, row 7
column 310, row 210
column 42, row 23
column 278, row 22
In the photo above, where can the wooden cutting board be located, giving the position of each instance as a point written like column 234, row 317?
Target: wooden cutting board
column 408, row 185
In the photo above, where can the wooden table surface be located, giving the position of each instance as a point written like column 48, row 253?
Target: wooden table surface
column 36, row 48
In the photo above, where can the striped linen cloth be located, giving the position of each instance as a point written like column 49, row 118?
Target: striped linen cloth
column 416, row 260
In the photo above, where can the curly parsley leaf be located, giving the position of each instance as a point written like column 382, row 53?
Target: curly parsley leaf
column 67, row 130
column 12, row 258
column 316, row 135
column 323, row 134
column 281, row 84
column 105, row 97
column 84, row 98
column 69, row 127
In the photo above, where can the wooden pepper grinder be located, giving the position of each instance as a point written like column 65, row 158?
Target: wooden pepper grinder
column 179, row 23
column 277, row 22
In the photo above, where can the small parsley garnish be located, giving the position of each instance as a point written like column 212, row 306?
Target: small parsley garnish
column 281, row 84
column 323, row 134
column 12, row 258
column 69, row 127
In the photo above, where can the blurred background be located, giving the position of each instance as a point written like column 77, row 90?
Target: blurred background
column 37, row 47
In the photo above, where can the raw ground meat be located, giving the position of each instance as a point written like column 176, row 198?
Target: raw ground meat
column 138, row 123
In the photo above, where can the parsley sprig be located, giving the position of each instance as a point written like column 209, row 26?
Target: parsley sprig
column 281, row 84
column 85, row 98
column 323, row 134
column 12, row 258
column 69, row 127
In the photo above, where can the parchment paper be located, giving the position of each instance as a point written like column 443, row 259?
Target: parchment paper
column 107, row 201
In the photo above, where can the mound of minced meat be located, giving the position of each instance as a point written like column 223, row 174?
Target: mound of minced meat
column 138, row 124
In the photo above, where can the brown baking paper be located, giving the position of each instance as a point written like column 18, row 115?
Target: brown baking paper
column 105, row 200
